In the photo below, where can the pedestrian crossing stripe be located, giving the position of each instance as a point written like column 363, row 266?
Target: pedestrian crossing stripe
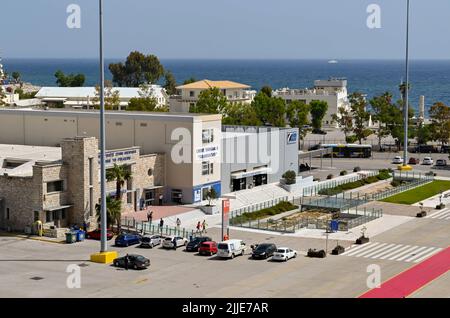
column 440, row 215
column 392, row 252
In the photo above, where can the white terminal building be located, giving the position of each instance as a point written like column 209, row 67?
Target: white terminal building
column 333, row 91
column 49, row 167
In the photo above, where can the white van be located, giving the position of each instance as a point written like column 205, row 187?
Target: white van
column 230, row 248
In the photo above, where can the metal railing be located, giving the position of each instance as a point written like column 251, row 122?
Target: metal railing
column 314, row 190
column 145, row 228
column 257, row 206
column 346, row 220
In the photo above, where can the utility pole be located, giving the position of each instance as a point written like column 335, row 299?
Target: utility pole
column 104, row 246
column 406, row 101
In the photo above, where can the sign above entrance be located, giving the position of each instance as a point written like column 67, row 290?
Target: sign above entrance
column 120, row 157
column 204, row 153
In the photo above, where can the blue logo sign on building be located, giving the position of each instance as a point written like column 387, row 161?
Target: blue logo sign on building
column 292, row 137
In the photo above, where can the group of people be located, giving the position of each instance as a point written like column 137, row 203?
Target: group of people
column 201, row 227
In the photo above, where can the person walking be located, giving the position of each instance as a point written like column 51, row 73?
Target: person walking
column 161, row 197
column 199, row 227
column 178, row 224
column 126, row 262
column 161, row 224
column 149, row 217
column 204, row 225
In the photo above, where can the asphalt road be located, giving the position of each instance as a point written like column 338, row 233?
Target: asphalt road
column 181, row 274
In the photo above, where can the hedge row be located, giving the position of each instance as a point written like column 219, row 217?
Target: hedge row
column 281, row 207
column 383, row 175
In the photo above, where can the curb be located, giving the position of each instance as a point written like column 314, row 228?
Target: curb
column 25, row 237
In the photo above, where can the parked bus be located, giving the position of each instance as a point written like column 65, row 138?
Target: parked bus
column 349, row 150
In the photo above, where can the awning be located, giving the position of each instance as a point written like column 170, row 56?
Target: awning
column 61, row 207
column 246, row 174
column 54, row 99
column 153, row 187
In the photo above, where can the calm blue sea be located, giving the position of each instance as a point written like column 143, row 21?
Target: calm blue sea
column 429, row 78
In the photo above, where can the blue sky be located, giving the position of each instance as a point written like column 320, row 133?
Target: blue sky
column 261, row 29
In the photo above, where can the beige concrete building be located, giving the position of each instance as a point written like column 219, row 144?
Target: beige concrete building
column 60, row 186
column 188, row 94
column 190, row 142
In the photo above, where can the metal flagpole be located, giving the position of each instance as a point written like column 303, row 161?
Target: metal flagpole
column 104, row 246
column 406, row 105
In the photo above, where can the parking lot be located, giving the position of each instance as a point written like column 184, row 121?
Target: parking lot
column 38, row 269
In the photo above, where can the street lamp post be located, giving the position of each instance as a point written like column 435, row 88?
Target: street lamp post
column 104, row 246
column 406, row 105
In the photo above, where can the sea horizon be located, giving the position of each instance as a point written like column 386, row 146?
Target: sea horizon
column 429, row 77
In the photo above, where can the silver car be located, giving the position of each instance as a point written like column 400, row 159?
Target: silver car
column 150, row 241
column 174, row 242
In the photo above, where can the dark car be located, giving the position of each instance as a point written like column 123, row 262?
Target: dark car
column 425, row 149
column 194, row 245
column 264, row 250
column 128, row 239
column 96, row 235
column 413, row 161
column 134, row 261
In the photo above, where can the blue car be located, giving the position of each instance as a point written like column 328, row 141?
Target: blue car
column 128, row 239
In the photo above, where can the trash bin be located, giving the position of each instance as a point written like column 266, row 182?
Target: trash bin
column 80, row 235
column 71, row 237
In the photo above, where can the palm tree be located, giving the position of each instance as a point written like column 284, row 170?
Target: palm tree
column 113, row 212
column 120, row 174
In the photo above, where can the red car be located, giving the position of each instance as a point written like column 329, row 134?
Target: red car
column 208, row 248
column 414, row 161
column 95, row 235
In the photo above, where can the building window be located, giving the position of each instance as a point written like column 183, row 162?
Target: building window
column 207, row 168
column 48, row 216
column 143, row 124
column 191, row 94
column 7, row 213
column 63, row 214
column 129, row 197
column 150, row 172
column 55, row 186
column 36, row 216
column 207, row 136
column 118, row 123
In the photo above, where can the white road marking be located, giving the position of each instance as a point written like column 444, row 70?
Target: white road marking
column 428, row 255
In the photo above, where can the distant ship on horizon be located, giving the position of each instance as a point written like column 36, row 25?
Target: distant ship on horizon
column 333, row 62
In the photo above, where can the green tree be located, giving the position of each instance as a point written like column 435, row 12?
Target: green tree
column 190, row 80
column 211, row 195
column 440, row 122
column 424, row 134
column 119, row 174
column 210, row 101
column 240, row 114
column 396, row 126
column 145, row 102
column 381, row 108
column 345, row 120
column 71, row 80
column 318, row 110
column 113, row 212
column 16, row 76
column 360, row 115
column 112, row 97
column 267, row 90
column 2, row 96
column 270, row 110
column 297, row 115
column 170, row 83
column 137, row 69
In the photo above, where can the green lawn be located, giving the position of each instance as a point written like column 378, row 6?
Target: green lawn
column 421, row 193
